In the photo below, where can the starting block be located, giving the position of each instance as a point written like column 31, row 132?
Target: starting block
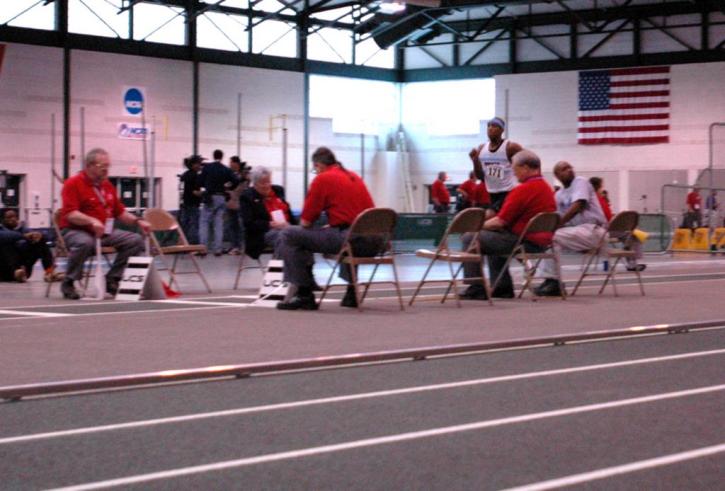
column 140, row 281
column 273, row 288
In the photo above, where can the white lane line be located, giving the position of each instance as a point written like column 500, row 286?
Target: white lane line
column 350, row 397
column 621, row 469
column 33, row 314
column 201, row 302
column 400, row 437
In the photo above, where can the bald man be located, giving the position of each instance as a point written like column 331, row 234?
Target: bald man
column 583, row 223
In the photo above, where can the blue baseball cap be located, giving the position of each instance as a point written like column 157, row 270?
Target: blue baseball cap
column 498, row 122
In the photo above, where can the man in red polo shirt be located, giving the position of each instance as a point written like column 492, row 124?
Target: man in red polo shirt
column 90, row 207
column 467, row 190
column 533, row 195
column 439, row 194
column 341, row 194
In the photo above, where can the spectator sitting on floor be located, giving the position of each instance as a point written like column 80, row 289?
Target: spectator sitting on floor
column 632, row 263
column 11, row 264
column 265, row 212
column 90, row 207
column 500, row 233
column 30, row 246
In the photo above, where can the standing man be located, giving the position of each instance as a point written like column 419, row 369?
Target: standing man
column 500, row 233
column 492, row 163
column 582, row 225
column 30, row 246
column 467, row 190
column 191, row 198
column 693, row 217
column 90, row 208
column 342, row 195
column 234, row 224
column 213, row 180
column 439, row 194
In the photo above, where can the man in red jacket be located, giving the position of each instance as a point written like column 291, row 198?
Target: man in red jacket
column 533, row 195
column 340, row 193
column 439, row 194
column 90, row 207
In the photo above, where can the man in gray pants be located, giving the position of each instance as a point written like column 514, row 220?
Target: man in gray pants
column 90, row 208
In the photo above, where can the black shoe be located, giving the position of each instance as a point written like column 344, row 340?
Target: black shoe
column 217, row 254
column 549, row 288
column 112, row 286
column 636, row 267
column 315, row 287
column 349, row 300
column 299, row 302
column 69, row 290
column 474, row 292
column 503, row 293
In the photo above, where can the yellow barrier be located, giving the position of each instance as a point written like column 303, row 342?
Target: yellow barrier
column 701, row 239
column 681, row 240
column 718, row 237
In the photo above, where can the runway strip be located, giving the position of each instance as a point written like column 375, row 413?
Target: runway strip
column 351, row 397
column 395, row 438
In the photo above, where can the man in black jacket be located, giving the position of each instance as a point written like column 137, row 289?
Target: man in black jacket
column 191, row 198
column 215, row 179
column 264, row 211
column 22, row 248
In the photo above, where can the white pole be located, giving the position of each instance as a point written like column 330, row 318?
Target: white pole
column 239, row 125
column 83, row 135
column 284, row 152
column 52, row 167
column 151, row 200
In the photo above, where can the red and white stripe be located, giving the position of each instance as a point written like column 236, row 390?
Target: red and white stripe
column 639, row 109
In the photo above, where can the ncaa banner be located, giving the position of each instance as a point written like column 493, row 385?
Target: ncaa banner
column 134, row 100
column 129, row 131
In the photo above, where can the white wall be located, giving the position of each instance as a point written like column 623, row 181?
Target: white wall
column 31, row 89
column 542, row 115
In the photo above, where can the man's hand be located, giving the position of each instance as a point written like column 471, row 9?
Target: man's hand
column 144, row 226
column 475, row 152
column 278, row 225
column 98, row 228
column 33, row 236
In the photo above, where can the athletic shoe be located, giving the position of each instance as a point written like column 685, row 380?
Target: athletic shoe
column 349, row 300
column 636, row 267
column 20, row 275
column 51, row 276
column 474, row 292
column 549, row 288
column 234, row 252
column 69, row 290
column 299, row 302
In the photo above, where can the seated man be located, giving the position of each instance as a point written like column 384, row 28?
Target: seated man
column 11, row 263
column 582, row 225
column 264, row 211
column 30, row 246
column 90, row 206
column 500, row 233
column 340, row 193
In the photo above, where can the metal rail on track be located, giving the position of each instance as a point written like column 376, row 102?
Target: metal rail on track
column 17, row 392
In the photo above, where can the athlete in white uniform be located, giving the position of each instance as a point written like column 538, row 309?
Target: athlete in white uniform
column 492, row 162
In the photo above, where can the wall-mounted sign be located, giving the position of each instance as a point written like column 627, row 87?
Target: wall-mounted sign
column 133, row 100
column 128, row 131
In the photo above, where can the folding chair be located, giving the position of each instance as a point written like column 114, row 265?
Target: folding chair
column 469, row 220
column 621, row 231
column 372, row 224
column 61, row 250
column 162, row 221
column 541, row 222
column 242, row 267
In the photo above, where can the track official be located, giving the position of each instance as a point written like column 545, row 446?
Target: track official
column 342, row 195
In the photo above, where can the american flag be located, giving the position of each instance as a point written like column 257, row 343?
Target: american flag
column 624, row 106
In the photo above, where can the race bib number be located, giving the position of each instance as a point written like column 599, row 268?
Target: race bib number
column 495, row 171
